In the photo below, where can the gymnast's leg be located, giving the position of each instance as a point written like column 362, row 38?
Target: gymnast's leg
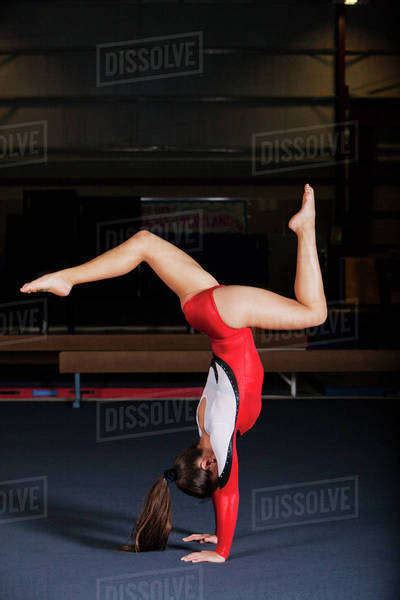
column 181, row 273
column 242, row 306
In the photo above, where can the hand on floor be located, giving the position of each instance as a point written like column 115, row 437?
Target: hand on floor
column 202, row 538
column 203, row 556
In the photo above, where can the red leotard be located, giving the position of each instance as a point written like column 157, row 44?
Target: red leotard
column 234, row 351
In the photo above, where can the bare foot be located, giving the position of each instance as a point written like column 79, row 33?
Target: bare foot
column 306, row 215
column 53, row 282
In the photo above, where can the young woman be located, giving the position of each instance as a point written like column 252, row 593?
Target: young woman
column 231, row 399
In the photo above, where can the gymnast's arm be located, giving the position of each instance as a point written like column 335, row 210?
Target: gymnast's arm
column 226, row 505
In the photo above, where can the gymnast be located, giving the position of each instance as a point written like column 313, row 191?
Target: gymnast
column 231, row 400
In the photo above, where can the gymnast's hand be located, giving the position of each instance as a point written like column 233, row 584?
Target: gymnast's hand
column 203, row 556
column 202, row 538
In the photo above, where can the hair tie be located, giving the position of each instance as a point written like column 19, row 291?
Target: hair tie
column 170, row 475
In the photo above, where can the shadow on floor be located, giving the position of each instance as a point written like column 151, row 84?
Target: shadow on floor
column 96, row 528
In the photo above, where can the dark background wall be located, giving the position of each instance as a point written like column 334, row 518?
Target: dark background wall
column 267, row 67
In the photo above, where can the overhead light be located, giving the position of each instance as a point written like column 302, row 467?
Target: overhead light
column 350, row 2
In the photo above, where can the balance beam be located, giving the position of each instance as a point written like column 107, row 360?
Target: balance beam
column 198, row 361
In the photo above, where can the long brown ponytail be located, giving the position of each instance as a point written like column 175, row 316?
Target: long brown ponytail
column 155, row 521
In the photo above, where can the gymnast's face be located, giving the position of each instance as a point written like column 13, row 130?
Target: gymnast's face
column 208, row 462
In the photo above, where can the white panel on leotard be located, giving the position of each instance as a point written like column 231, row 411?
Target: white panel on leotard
column 220, row 413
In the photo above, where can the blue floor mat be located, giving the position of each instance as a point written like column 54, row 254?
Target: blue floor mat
column 323, row 448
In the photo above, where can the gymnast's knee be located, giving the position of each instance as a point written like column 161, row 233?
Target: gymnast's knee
column 143, row 238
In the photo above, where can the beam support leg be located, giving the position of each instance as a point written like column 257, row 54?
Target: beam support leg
column 292, row 383
column 77, row 400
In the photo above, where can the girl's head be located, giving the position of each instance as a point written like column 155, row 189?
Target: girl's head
column 195, row 473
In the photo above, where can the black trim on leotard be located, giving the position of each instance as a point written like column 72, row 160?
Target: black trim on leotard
column 224, row 477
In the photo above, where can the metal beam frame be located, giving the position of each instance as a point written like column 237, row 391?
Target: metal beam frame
column 217, row 51
column 341, row 107
column 32, row 101
column 154, row 182
column 291, row 380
